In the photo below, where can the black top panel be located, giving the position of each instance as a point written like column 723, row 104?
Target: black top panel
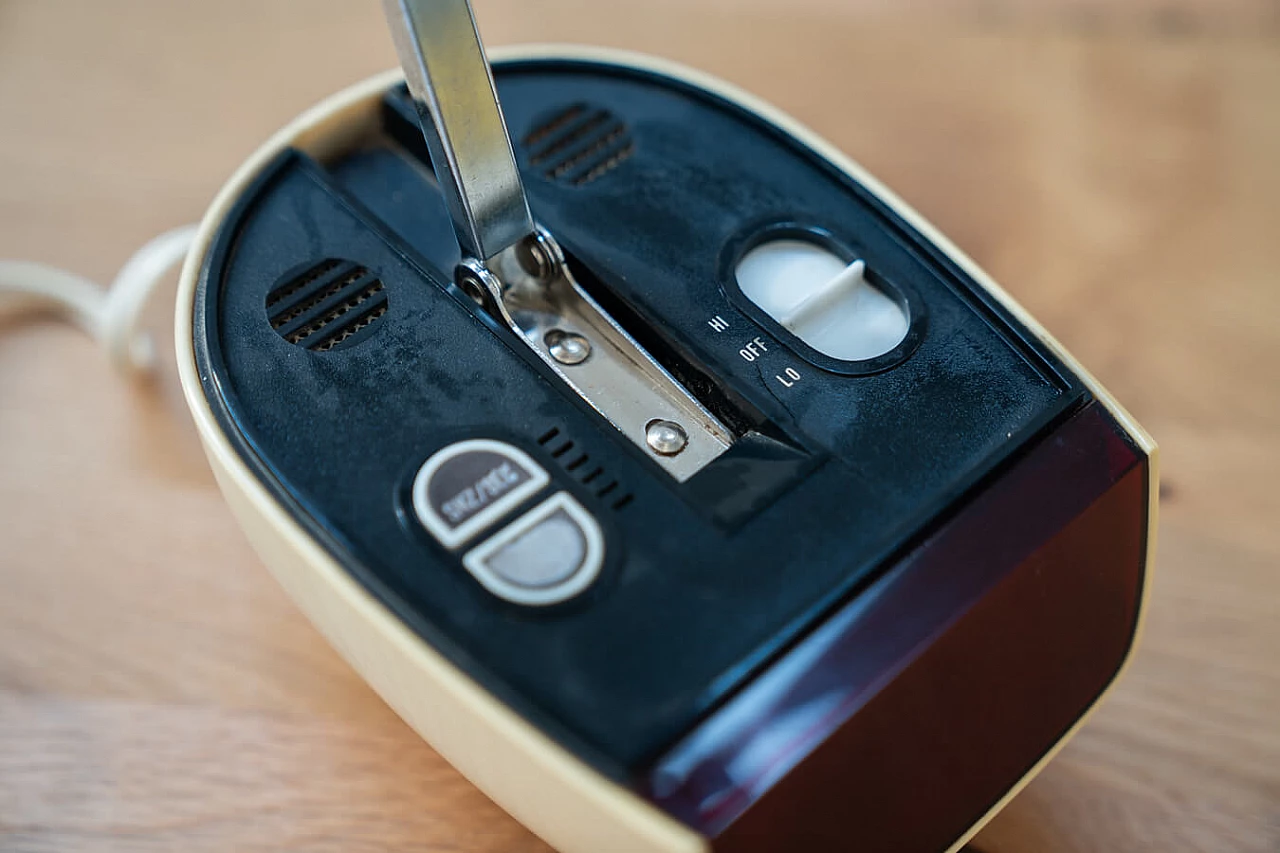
column 340, row 358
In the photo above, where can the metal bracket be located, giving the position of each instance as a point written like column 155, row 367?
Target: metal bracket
column 534, row 295
column 537, row 298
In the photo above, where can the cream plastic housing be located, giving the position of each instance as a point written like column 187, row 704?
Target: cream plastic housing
column 542, row 785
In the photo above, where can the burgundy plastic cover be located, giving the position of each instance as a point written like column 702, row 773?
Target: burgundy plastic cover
column 906, row 716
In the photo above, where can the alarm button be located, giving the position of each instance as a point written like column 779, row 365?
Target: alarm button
column 828, row 304
column 471, row 484
column 550, row 554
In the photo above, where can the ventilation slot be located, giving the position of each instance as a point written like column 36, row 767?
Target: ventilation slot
column 579, row 144
column 327, row 305
column 578, row 463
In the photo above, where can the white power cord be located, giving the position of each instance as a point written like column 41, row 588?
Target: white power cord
column 109, row 315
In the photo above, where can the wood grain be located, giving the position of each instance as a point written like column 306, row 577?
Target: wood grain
column 1113, row 164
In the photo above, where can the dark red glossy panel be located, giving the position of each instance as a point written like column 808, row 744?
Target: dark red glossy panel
column 902, row 719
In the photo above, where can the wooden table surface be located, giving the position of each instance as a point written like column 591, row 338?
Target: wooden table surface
column 1115, row 165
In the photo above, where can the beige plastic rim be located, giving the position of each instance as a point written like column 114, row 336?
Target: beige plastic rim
column 546, row 788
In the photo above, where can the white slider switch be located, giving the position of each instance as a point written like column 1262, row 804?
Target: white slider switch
column 824, row 302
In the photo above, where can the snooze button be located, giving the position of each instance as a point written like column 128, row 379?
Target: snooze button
column 470, row 484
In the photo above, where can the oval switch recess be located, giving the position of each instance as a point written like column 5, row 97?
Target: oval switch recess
column 822, row 300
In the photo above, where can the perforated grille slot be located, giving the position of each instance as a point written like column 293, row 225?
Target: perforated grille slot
column 579, row 144
column 326, row 305
column 561, row 448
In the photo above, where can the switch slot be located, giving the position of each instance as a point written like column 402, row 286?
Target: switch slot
column 825, row 301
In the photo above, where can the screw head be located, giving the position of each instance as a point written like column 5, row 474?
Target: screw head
column 665, row 438
column 567, row 347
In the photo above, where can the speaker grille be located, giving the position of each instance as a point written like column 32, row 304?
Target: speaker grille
column 578, row 144
column 327, row 305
